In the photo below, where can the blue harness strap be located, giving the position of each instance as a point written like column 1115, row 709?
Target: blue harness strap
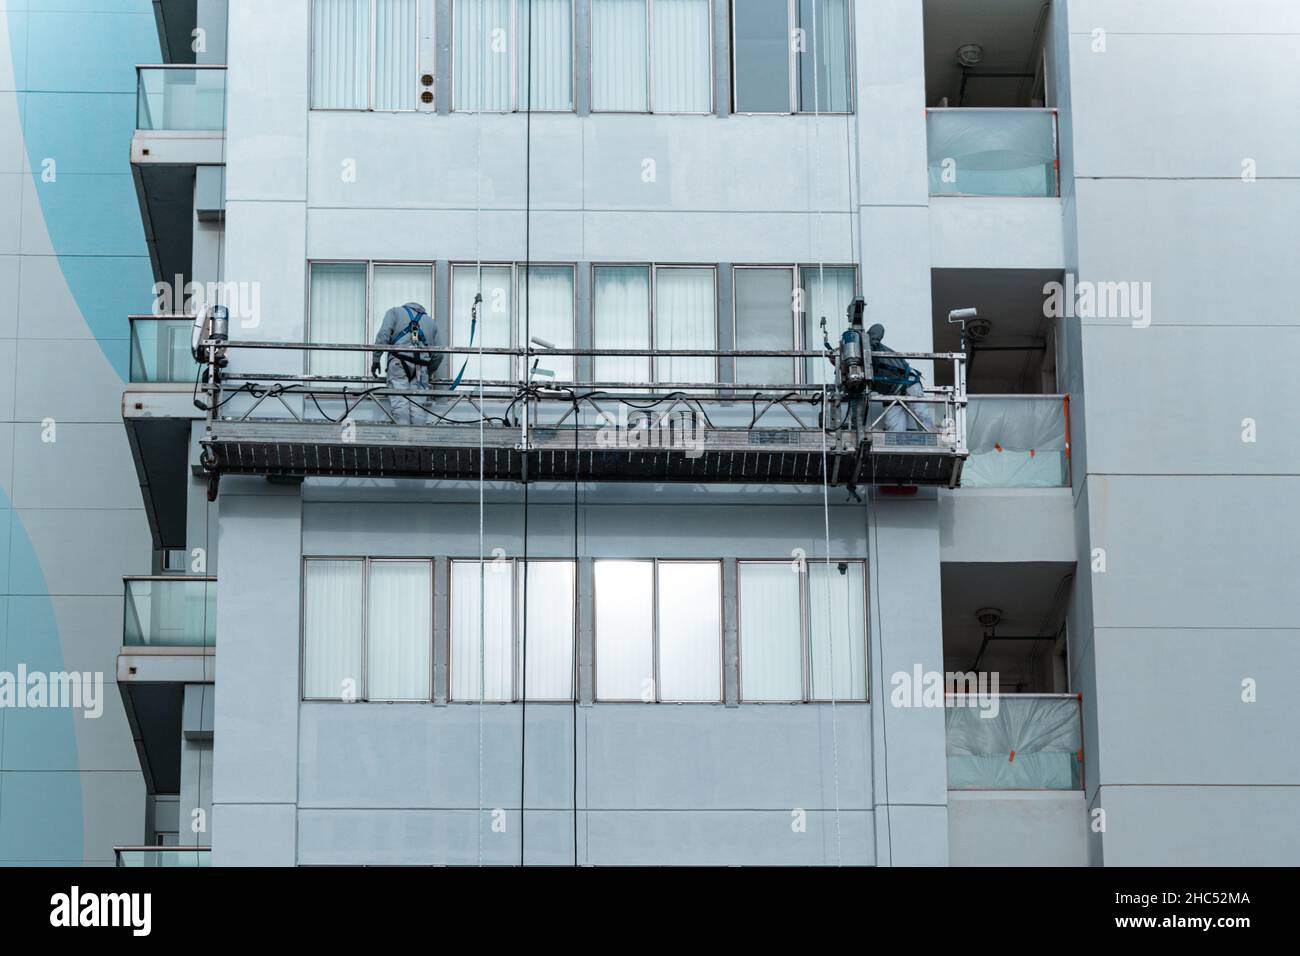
column 473, row 327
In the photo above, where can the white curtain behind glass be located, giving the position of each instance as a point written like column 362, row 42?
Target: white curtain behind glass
column 400, row 636
column 498, row 609
column 396, row 46
column 825, row 59
column 764, row 320
column 546, row 312
column 621, row 320
column 684, row 319
column 483, row 55
column 551, row 54
column 839, row 628
column 771, row 652
column 682, row 74
column 690, row 631
column 338, row 315
column 624, row 629
column 392, row 286
column 493, row 318
column 340, row 65
column 826, row 292
column 331, row 628
column 618, row 55
column 549, row 663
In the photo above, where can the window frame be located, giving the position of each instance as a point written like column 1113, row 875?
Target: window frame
column 517, row 270
column 363, row 692
column 792, row 67
column 654, row 633
column 514, row 63
column 369, row 265
column 650, row 70
column 370, row 65
column 517, row 676
column 805, row 631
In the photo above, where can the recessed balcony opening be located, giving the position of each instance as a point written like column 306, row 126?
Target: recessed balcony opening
column 986, row 55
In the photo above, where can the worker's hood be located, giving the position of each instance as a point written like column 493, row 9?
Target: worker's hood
column 876, row 333
column 414, row 307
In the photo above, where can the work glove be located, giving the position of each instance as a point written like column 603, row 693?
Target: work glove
column 374, row 370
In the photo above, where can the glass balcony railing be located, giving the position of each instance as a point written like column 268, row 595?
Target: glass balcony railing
column 1017, row 441
column 188, row 98
column 170, row 612
column 163, row 856
column 1015, row 742
column 160, row 349
column 992, row 152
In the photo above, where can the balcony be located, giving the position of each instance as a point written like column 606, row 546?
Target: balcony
column 177, row 158
column 162, row 856
column 160, row 350
column 1017, row 441
column 170, row 612
column 1015, row 742
column 993, row 152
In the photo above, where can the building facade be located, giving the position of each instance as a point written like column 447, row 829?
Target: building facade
column 605, row 666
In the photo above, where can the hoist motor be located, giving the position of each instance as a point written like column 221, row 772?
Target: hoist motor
column 853, row 364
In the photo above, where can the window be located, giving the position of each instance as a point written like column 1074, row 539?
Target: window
column 765, row 319
column 794, row 622
column 549, row 629
column 348, row 302
column 827, row 292
column 365, row 54
column 651, row 56
column 545, row 311
column 492, row 50
column 791, row 56
column 658, row 630
column 367, row 629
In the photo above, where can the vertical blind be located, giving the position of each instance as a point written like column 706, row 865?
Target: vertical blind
column 824, row 61
column 620, row 319
column 396, row 45
column 618, row 55
column 826, row 292
column 546, row 61
column 624, row 629
column 392, row 286
column 399, row 638
column 690, row 631
column 683, row 64
column 684, row 319
column 332, row 626
column 338, row 314
column 546, row 312
column 837, row 628
column 764, row 320
column 491, row 55
column 483, row 55
column 550, row 632
column 354, row 67
column 340, row 65
column 497, row 629
column 771, row 636
column 494, row 317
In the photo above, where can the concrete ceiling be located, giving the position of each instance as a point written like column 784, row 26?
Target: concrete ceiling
column 1029, row 595
column 1012, row 299
column 1004, row 28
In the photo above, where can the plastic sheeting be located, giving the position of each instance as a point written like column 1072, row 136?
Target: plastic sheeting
column 1015, row 443
column 1032, row 743
column 1008, row 152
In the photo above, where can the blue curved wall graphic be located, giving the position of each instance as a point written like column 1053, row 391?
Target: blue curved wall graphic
column 73, row 94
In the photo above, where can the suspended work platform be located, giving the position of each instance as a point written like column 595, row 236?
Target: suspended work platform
column 800, row 433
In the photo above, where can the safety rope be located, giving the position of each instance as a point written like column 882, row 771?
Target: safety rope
column 478, row 301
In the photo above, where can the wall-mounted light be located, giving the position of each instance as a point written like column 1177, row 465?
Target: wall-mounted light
column 970, row 55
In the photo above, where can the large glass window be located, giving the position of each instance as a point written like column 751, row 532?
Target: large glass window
column 827, row 292
column 791, row 56
column 365, row 54
column 795, row 620
column 682, row 314
column 620, row 319
column 765, row 319
column 685, row 317
column 367, row 629
column 348, row 302
column 651, row 56
column 658, row 630
column 545, row 311
column 542, row 641
column 491, row 56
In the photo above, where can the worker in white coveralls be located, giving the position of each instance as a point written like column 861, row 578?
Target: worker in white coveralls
column 407, row 325
column 893, row 376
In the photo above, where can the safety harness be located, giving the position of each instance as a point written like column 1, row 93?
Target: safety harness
column 415, row 334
